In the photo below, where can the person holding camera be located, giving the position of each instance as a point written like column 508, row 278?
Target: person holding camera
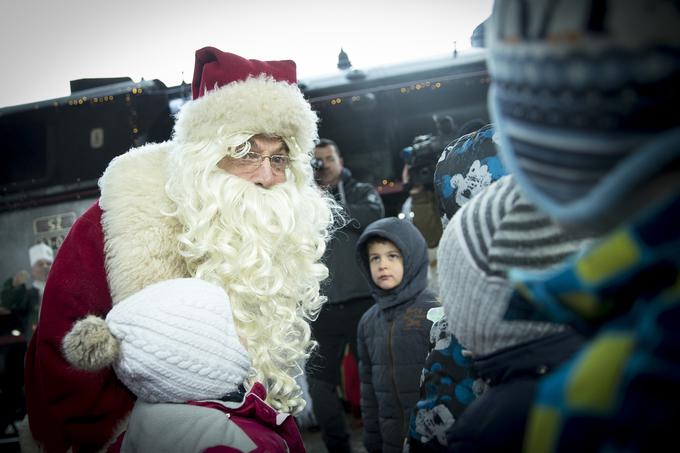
column 420, row 208
column 348, row 293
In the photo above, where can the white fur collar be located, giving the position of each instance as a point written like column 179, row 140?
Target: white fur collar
column 139, row 241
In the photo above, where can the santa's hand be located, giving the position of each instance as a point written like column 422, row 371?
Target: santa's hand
column 178, row 342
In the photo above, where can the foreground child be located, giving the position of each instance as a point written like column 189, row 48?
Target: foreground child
column 393, row 336
column 607, row 158
column 175, row 346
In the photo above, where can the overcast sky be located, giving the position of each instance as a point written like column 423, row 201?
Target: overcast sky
column 46, row 43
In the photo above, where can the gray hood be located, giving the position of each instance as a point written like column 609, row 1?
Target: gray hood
column 414, row 252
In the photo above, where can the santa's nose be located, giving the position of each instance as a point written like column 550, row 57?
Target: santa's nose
column 264, row 176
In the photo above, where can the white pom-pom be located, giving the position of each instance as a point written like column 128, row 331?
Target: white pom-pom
column 89, row 345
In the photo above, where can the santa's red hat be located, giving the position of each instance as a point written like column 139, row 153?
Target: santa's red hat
column 234, row 95
column 214, row 68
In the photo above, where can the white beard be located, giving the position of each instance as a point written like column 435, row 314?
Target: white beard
column 263, row 246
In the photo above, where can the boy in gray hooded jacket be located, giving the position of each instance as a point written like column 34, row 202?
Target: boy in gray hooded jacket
column 394, row 334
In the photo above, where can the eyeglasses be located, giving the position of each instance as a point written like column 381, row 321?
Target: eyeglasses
column 278, row 162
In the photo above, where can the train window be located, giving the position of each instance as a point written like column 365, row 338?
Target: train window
column 24, row 150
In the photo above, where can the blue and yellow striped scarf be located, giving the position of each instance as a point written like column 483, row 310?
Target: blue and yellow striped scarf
column 622, row 391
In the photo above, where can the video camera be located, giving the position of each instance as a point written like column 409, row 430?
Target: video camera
column 317, row 164
column 423, row 154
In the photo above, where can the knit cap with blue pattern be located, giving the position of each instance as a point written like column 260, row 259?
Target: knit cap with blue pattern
column 496, row 231
column 178, row 342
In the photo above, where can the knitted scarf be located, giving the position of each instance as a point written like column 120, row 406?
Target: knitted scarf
column 621, row 391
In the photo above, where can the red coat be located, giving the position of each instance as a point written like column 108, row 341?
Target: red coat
column 120, row 245
column 69, row 408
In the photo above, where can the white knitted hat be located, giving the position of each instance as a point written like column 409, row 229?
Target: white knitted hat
column 178, row 342
column 496, row 231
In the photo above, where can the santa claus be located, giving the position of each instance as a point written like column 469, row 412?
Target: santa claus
column 230, row 200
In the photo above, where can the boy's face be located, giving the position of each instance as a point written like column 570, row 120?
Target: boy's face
column 386, row 264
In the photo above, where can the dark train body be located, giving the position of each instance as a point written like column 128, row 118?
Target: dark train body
column 54, row 151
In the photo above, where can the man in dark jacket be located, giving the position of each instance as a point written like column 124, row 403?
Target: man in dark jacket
column 347, row 292
column 394, row 334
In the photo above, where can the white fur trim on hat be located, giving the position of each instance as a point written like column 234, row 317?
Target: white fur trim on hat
column 257, row 105
column 40, row 251
column 175, row 341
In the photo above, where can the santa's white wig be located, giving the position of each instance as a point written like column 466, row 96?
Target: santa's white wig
column 263, row 246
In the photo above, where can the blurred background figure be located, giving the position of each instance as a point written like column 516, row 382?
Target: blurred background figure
column 23, row 301
column 420, row 207
column 19, row 312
